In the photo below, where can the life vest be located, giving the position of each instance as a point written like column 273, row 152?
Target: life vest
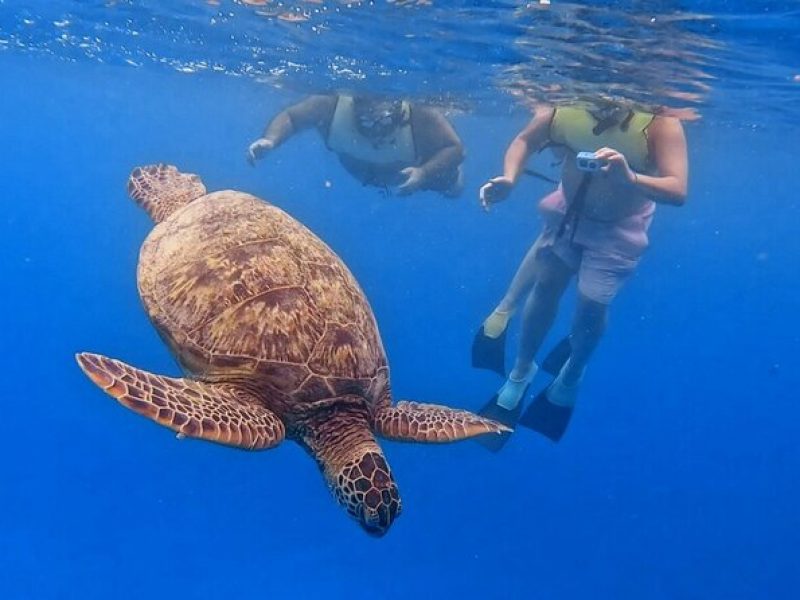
column 572, row 126
column 345, row 138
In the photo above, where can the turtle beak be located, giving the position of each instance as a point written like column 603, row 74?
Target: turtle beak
column 377, row 521
column 375, row 499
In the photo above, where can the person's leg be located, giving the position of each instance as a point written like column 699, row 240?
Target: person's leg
column 601, row 274
column 520, row 286
column 551, row 410
column 600, row 278
column 488, row 346
column 553, row 206
column 589, row 325
column 540, row 310
column 522, row 282
column 537, row 318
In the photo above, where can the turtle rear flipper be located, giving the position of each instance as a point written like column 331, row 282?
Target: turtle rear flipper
column 415, row 422
column 221, row 413
column 162, row 189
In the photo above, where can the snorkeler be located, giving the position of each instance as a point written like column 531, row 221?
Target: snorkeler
column 382, row 143
column 617, row 163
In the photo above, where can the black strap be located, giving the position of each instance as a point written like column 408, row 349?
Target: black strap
column 575, row 207
column 626, row 122
column 617, row 116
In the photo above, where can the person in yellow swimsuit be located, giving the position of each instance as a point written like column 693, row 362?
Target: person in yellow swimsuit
column 391, row 144
column 595, row 228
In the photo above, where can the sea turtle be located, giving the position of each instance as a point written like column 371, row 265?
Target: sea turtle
column 276, row 340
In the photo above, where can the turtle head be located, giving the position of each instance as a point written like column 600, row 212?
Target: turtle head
column 341, row 441
column 366, row 490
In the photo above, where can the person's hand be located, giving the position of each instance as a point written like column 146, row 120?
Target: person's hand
column 495, row 190
column 616, row 167
column 258, row 149
column 414, row 178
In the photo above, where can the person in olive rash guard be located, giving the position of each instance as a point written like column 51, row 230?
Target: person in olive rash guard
column 595, row 228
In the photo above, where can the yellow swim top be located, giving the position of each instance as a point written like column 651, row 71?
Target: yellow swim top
column 573, row 126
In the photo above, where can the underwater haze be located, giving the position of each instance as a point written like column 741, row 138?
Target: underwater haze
column 678, row 477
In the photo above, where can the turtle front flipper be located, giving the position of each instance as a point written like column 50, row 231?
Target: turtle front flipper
column 415, row 422
column 221, row 413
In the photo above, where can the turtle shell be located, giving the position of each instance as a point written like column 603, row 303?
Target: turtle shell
column 243, row 292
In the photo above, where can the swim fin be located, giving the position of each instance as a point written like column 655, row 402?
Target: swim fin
column 551, row 420
column 495, row 412
column 489, row 353
column 558, row 356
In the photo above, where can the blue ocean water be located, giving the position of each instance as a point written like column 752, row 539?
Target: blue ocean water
column 678, row 476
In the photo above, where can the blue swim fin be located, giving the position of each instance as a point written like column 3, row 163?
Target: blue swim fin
column 551, row 420
column 558, row 357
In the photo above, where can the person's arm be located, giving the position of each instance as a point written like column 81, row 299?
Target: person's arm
column 668, row 148
column 667, row 145
column 314, row 111
column 437, row 142
column 528, row 141
column 439, row 149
